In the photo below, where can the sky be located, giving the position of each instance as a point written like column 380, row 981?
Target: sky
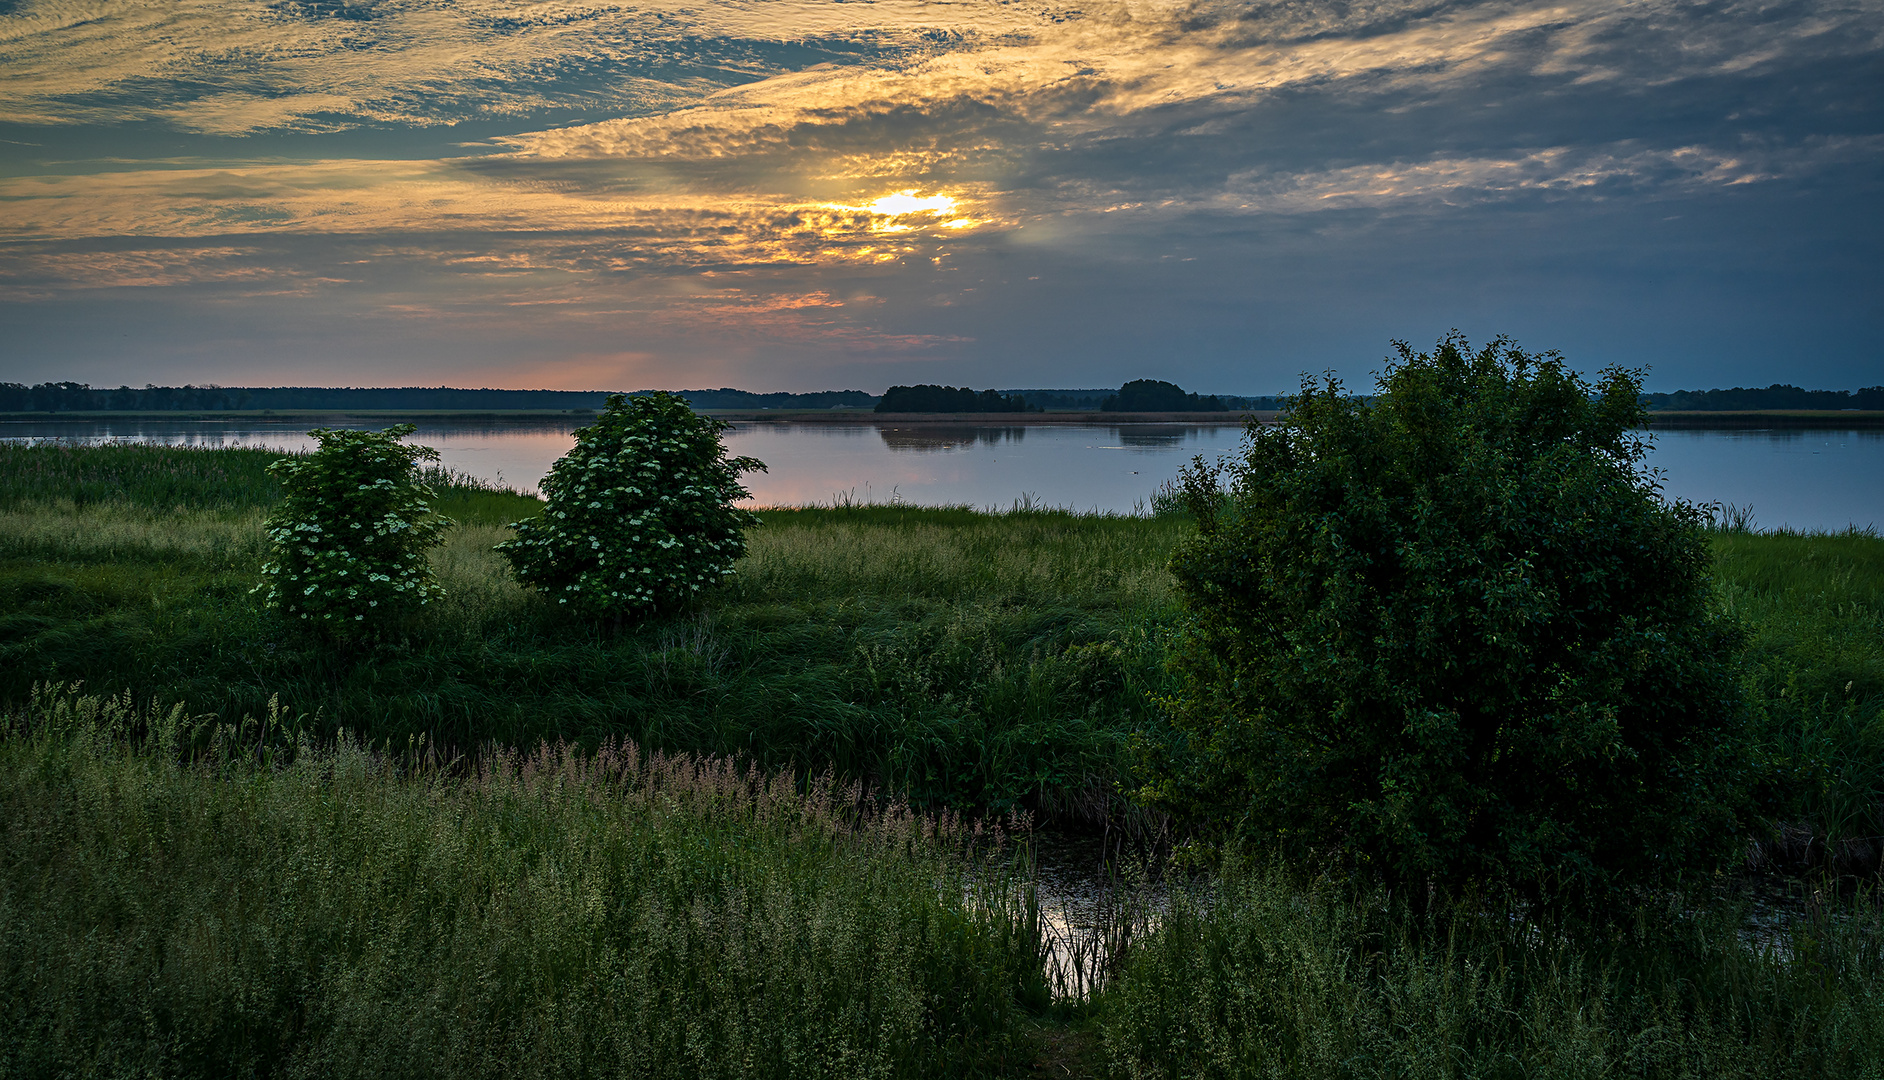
column 803, row 195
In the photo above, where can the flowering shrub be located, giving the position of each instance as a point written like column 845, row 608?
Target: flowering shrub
column 639, row 515
column 351, row 534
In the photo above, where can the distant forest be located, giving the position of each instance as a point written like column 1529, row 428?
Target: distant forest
column 79, row 397
column 1139, row 395
column 1092, row 400
column 926, row 397
column 1156, row 395
column 1776, row 396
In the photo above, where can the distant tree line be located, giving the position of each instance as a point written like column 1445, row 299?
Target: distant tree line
column 1064, row 399
column 82, row 397
column 1139, row 395
column 925, row 397
column 1096, row 400
column 1776, row 396
column 1156, row 395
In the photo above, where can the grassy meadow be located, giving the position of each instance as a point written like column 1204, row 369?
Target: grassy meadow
column 504, row 841
column 959, row 658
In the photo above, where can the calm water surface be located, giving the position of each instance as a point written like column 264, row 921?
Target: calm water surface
column 1801, row 479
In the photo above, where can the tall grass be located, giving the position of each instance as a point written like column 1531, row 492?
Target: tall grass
column 1253, row 975
column 912, row 553
column 160, row 477
column 1814, row 604
column 290, row 908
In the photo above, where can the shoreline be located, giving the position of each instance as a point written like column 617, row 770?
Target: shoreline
column 1756, row 419
column 1691, row 420
column 744, row 416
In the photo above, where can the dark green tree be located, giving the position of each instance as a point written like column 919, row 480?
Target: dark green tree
column 926, row 397
column 1453, row 635
column 639, row 516
column 1156, row 395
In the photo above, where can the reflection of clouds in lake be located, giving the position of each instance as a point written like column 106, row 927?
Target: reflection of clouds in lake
column 937, row 438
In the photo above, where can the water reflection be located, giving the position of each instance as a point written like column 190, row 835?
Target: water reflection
column 1797, row 478
column 1158, row 436
column 945, row 437
column 942, row 437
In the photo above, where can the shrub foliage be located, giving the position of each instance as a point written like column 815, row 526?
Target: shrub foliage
column 1453, row 634
column 639, row 515
column 350, row 535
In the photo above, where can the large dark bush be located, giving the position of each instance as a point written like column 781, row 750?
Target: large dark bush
column 639, row 515
column 1453, row 635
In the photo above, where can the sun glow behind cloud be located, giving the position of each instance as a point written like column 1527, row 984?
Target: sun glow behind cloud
column 905, row 203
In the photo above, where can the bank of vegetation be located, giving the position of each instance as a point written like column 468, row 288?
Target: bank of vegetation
column 930, row 398
column 272, row 853
column 65, row 397
column 1781, row 396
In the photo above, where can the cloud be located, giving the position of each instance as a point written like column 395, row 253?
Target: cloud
column 700, row 178
column 225, row 67
column 228, row 67
column 38, row 273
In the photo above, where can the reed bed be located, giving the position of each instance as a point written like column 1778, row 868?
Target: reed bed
column 1256, row 973
column 188, row 898
column 152, row 476
column 1815, row 673
column 109, row 531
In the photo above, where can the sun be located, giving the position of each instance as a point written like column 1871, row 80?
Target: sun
column 909, row 202
column 903, row 215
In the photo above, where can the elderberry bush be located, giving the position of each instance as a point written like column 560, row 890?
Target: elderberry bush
column 350, row 536
column 639, row 516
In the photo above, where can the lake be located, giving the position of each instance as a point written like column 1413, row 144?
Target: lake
column 1794, row 478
